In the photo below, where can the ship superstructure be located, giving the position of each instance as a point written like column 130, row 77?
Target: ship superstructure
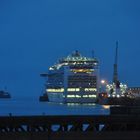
column 73, row 79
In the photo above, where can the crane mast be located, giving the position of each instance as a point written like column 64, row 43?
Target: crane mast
column 115, row 73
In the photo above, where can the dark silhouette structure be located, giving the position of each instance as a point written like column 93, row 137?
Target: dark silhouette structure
column 116, row 126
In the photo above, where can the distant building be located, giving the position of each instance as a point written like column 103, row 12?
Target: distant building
column 134, row 90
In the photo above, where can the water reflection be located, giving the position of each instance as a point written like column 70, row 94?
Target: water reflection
column 34, row 107
column 78, row 104
column 106, row 106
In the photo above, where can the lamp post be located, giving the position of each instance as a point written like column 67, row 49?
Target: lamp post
column 103, row 85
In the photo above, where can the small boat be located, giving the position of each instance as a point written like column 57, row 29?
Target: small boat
column 43, row 98
column 4, row 94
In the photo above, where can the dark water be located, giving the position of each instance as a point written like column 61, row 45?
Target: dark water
column 30, row 106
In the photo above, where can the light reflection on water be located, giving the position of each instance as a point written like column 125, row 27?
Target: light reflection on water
column 74, row 104
column 106, row 106
column 30, row 106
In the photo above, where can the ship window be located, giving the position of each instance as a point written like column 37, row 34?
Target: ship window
column 90, row 89
column 73, row 89
column 70, row 96
column 82, row 70
column 56, row 90
column 78, row 96
column 92, row 96
column 85, row 96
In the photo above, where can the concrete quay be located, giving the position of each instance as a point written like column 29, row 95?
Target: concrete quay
column 71, row 127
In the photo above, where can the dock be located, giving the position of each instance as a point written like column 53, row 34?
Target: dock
column 71, row 127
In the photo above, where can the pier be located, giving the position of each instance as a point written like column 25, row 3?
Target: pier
column 70, row 127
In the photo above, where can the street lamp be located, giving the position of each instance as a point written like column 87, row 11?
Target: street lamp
column 103, row 81
column 103, row 85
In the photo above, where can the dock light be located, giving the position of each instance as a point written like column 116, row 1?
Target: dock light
column 118, row 96
column 103, row 81
column 113, row 95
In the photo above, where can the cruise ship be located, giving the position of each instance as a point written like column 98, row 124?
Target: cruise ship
column 74, row 79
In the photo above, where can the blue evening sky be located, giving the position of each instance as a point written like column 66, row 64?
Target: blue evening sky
column 35, row 33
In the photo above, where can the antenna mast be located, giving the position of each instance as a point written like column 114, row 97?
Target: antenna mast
column 92, row 53
column 115, row 74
